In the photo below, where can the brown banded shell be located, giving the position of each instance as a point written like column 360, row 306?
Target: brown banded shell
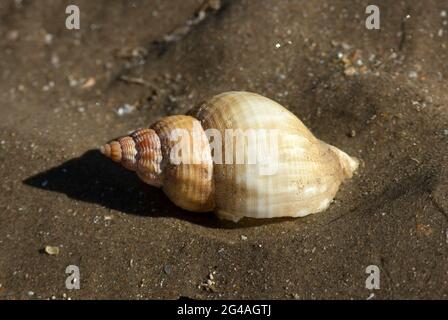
column 308, row 172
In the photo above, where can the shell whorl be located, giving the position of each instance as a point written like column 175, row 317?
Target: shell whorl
column 187, row 177
column 140, row 152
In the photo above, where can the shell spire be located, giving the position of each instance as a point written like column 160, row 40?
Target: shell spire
column 140, row 152
column 112, row 150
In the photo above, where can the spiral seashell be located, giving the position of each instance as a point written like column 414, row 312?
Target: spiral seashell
column 238, row 154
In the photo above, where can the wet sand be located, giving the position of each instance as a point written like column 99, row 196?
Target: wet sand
column 379, row 95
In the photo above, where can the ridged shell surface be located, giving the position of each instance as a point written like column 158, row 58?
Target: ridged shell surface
column 188, row 182
column 307, row 171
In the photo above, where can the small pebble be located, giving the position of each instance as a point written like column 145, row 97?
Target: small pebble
column 72, row 81
column 412, row 74
column 346, row 46
column 350, row 71
column 50, row 250
column 13, row 35
column 48, row 86
column 48, row 38
column 352, row 133
column 125, row 109
column 167, row 269
column 89, row 83
column 243, row 237
column 55, row 60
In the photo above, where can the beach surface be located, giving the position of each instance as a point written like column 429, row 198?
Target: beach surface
column 380, row 95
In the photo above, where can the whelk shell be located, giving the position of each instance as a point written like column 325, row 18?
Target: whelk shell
column 243, row 155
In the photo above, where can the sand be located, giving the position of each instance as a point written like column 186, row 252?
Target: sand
column 379, row 95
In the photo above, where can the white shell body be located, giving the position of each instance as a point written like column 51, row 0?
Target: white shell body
column 308, row 171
